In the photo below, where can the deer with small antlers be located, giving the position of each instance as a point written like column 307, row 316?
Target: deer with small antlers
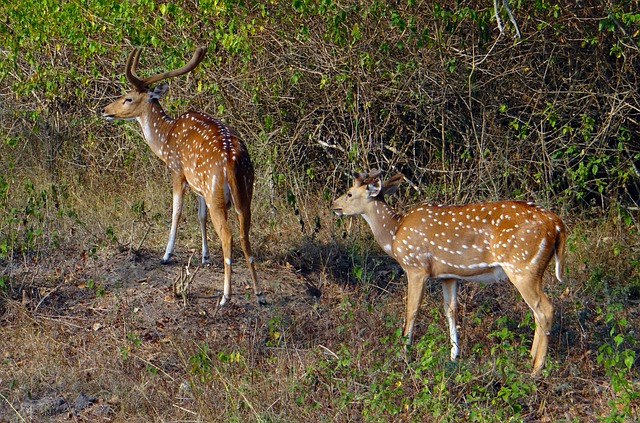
column 201, row 152
column 484, row 242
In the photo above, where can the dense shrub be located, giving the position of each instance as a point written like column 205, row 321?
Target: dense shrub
column 320, row 88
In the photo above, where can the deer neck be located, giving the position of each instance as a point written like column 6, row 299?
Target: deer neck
column 156, row 126
column 384, row 224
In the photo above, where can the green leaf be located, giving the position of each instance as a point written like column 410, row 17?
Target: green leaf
column 629, row 359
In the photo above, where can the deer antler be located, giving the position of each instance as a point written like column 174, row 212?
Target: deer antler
column 130, row 72
column 143, row 84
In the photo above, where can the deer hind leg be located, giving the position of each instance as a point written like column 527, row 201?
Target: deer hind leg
column 415, row 291
column 202, row 218
column 541, row 337
column 244, row 221
column 179, row 185
column 221, row 226
column 449, row 293
column 531, row 290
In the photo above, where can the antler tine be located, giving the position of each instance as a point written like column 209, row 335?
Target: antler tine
column 198, row 55
column 136, row 59
column 130, row 70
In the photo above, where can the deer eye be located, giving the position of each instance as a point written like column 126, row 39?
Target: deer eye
column 349, row 195
column 128, row 99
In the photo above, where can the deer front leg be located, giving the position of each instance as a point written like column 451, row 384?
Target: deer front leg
column 449, row 293
column 202, row 218
column 415, row 291
column 179, row 185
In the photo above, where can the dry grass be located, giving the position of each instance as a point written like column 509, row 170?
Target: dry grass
column 98, row 318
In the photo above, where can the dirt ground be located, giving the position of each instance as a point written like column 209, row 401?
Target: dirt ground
column 128, row 303
column 104, row 337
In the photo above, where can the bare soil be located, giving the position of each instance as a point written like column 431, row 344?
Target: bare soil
column 104, row 337
column 76, row 316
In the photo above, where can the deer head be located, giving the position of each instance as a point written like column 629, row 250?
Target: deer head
column 135, row 103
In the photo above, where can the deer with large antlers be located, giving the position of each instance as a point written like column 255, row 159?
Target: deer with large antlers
column 201, row 152
column 484, row 242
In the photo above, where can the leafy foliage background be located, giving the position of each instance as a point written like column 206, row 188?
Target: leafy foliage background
column 430, row 89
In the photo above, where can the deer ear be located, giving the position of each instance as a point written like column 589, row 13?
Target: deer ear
column 374, row 188
column 158, row 91
column 375, row 173
column 391, row 186
column 358, row 178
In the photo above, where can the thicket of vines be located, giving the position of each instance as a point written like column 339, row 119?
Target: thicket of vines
column 319, row 88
